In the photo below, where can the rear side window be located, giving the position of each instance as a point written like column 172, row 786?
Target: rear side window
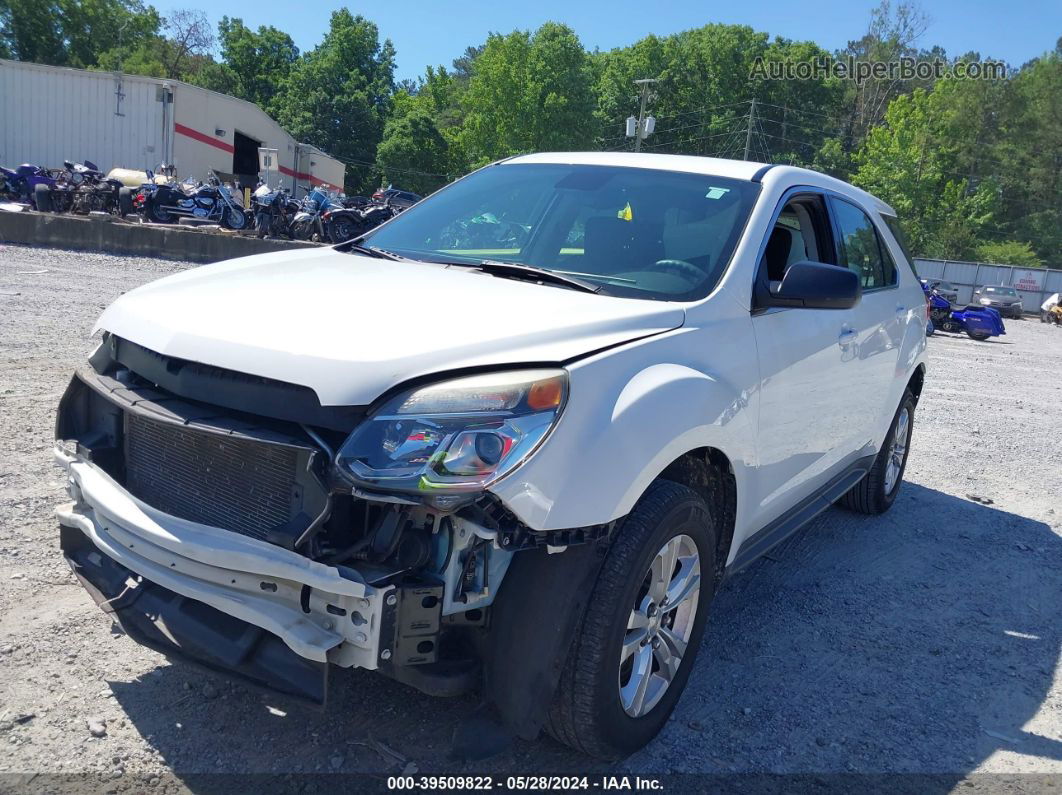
column 893, row 223
column 860, row 247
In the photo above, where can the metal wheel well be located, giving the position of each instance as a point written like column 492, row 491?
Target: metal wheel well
column 708, row 472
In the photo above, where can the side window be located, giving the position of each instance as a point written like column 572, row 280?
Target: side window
column 893, row 223
column 860, row 248
column 799, row 233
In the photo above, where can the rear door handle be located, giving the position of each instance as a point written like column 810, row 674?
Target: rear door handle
column 901, row 311
column 847, row 336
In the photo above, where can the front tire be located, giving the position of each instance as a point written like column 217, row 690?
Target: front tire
column 42, row 197
column 977, row 335
column 877, row 491
column 634, row 651
column 235, row 219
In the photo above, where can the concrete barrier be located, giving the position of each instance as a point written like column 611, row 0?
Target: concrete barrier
column 110, row 235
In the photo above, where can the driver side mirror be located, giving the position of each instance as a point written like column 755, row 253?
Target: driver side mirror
column 812, row 285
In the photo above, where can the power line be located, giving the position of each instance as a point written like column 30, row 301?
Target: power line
column 690, row 140
column 710, row 107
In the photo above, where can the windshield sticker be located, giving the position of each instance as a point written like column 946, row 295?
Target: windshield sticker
column 716, row 193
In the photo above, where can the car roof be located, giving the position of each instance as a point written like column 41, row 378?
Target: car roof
column 768, row 173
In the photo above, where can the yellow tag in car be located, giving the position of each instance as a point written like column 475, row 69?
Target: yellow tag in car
column 626, row 214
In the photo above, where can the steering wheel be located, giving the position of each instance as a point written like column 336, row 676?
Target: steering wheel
column 682, row 267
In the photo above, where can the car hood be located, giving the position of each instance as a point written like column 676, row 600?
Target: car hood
column 351, row 327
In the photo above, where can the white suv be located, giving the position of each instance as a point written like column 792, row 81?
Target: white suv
column 513, row 439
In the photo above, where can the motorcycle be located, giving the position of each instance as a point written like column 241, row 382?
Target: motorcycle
column 346, row 223
column 19, row 184
column 978, row 323
column 212, row 201
column 273, row 211
column 80, row 188
column 309, row 222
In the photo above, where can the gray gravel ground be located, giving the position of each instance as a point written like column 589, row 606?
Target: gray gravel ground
column 925, row 641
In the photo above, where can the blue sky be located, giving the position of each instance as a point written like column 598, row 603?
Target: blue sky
column 432, row 32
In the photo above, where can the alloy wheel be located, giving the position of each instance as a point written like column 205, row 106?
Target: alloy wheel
column 897, row 450
column 659, row 626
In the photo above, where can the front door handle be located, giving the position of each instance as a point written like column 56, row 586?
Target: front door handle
column 901, row 311
column 847, row 337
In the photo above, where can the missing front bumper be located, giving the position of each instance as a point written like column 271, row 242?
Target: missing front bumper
column 321, row 613
column 190, row 631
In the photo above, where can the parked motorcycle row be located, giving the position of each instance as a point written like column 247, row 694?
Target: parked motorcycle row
column 322, row 217
column 160, row 198
column 77, row 187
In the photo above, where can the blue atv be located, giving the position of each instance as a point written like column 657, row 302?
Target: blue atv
column 977, row 322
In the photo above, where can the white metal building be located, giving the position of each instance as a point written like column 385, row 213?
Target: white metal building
column 49, row 114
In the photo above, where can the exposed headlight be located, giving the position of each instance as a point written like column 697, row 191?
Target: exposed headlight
column 985, row 301
column 457, row 436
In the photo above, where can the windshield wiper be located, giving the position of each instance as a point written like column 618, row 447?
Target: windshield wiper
column 518, row 270
column 379, row 253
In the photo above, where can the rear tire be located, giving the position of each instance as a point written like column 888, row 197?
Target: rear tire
column 42, row 197
column 977, row 336
column 156, row 214
column 877, row 491
column 593, row 710
column 125, row 201
column 343, row 229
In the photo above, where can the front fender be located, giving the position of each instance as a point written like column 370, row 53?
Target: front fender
column 630, row 413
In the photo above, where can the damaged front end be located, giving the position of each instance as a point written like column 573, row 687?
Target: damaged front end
column 274, row 542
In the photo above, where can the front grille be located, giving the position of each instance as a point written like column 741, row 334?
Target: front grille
column 241, row 485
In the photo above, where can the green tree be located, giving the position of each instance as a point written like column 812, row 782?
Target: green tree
column 1009, row 252
column 181, row 53
column 702, row 98
column 338, row 95
column 73, row 32
column 413, row 153
column 1027, row 156
column 255, row 64
column 528, row 92
column 918, row 160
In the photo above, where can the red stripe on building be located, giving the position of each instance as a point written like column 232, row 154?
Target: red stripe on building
column 289, row 172
column 202, row 138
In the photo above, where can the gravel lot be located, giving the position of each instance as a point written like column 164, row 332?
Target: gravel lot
column 924, row 641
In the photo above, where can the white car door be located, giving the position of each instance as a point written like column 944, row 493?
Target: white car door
column 879, row 320
column 808, row 417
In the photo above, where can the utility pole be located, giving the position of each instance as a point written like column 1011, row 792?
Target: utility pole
column 748, row 134
column 640, row 132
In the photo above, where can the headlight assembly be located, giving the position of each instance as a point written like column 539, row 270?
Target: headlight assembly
column 455, row 437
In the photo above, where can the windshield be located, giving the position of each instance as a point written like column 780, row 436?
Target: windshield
column 632, row 232
column 1000, row 290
